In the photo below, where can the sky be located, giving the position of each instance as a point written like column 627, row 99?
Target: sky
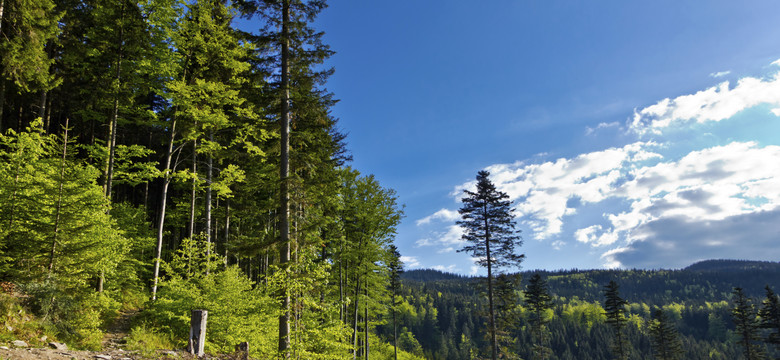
column 628, row 134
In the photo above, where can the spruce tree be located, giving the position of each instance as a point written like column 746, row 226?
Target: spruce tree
column 538, row 301
column 747, row 325
column 396, row 268
column 615, row 309
column 665, row 338
column 489, row 230
column 770, row 318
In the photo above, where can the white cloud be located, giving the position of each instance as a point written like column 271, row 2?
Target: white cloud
column 449, row 240
column 776, row 62
column 448, row 268
column 443, row 214
column 720, row 73
column 711, row 105
column 590, row 131
column 410, row 262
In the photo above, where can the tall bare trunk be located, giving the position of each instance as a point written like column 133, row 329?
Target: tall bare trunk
column 115, row 113
column 2, row 86
column 58, row 210
column 355, row 322
column 284, row 172
column 209, row 172
column 164, row 197
column 194, row 184
column 227, row 229
column 493, row 341
column 365, row 317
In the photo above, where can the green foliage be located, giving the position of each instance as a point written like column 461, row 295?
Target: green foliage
column 666, row 341
column 747, row 325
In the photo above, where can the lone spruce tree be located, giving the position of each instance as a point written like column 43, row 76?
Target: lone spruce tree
column 665, row 338
column 615, row 309
column 489, row 229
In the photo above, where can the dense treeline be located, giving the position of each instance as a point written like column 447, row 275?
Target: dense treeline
column 442, row 316
column 153, row 154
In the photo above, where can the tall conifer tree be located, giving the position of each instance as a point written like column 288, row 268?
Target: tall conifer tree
column 489, row 229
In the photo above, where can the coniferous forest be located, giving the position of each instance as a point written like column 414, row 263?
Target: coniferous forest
column 155, row 158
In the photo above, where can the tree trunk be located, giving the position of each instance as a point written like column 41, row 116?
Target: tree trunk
column 355, row 323
column 59, row 199
column 227, row 229
column 194, row 184
column 493, row 341
column 42, row 108
column 115, row 114
column 284, row 172
column 209, row 171
column 395, row 330
column 2, row 83
column 164, row 197
column 365, row 317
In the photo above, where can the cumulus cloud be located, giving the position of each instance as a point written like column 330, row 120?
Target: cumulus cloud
column 447, row 241
column 443, row 214
column 716, row 185
column 714, row 104
column 410, row 262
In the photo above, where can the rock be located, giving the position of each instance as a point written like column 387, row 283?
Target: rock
column 9, row 328
column 4, row 348
column 104, row 357
column 58, row 346
column 19, row 343
column 44, row 338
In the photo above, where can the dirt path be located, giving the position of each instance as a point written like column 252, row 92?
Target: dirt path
column 115, row 337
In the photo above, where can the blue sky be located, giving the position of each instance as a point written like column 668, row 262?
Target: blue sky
column 629, row 134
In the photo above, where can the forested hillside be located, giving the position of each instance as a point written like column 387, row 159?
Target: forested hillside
column 443, row 312
column 154, row 156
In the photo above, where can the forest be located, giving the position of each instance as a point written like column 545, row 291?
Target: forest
column 157, row 158
column 444, row 313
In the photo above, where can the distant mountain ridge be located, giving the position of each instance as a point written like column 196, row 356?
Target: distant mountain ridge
column 424, row 275
column 726, row 265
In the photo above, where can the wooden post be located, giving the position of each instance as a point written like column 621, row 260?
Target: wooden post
column 242, row 351
column 197, row 332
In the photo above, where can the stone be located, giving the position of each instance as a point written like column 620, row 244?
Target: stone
column 58, row 346
column 19, row 343
column 4, row 348
column 9, row 328
column 44, row 338
column 103, row 357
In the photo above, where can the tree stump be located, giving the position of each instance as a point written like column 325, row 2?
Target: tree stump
column 197, row 332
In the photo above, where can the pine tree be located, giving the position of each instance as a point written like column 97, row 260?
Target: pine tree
column 489, row 229
column 538, row 300
column 615, row 309
column 665, row 338
column 747, row 325
column 770, row 318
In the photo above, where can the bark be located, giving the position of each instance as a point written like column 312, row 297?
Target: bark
column 194, row 184
column 2, row 84
column 59, row 199
column 355, row 323
column 115, row 113
column 209, row 172
column 164, row 197
column 365, row 317
column 42, row 109
column 284, row 171
column 227, row 229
